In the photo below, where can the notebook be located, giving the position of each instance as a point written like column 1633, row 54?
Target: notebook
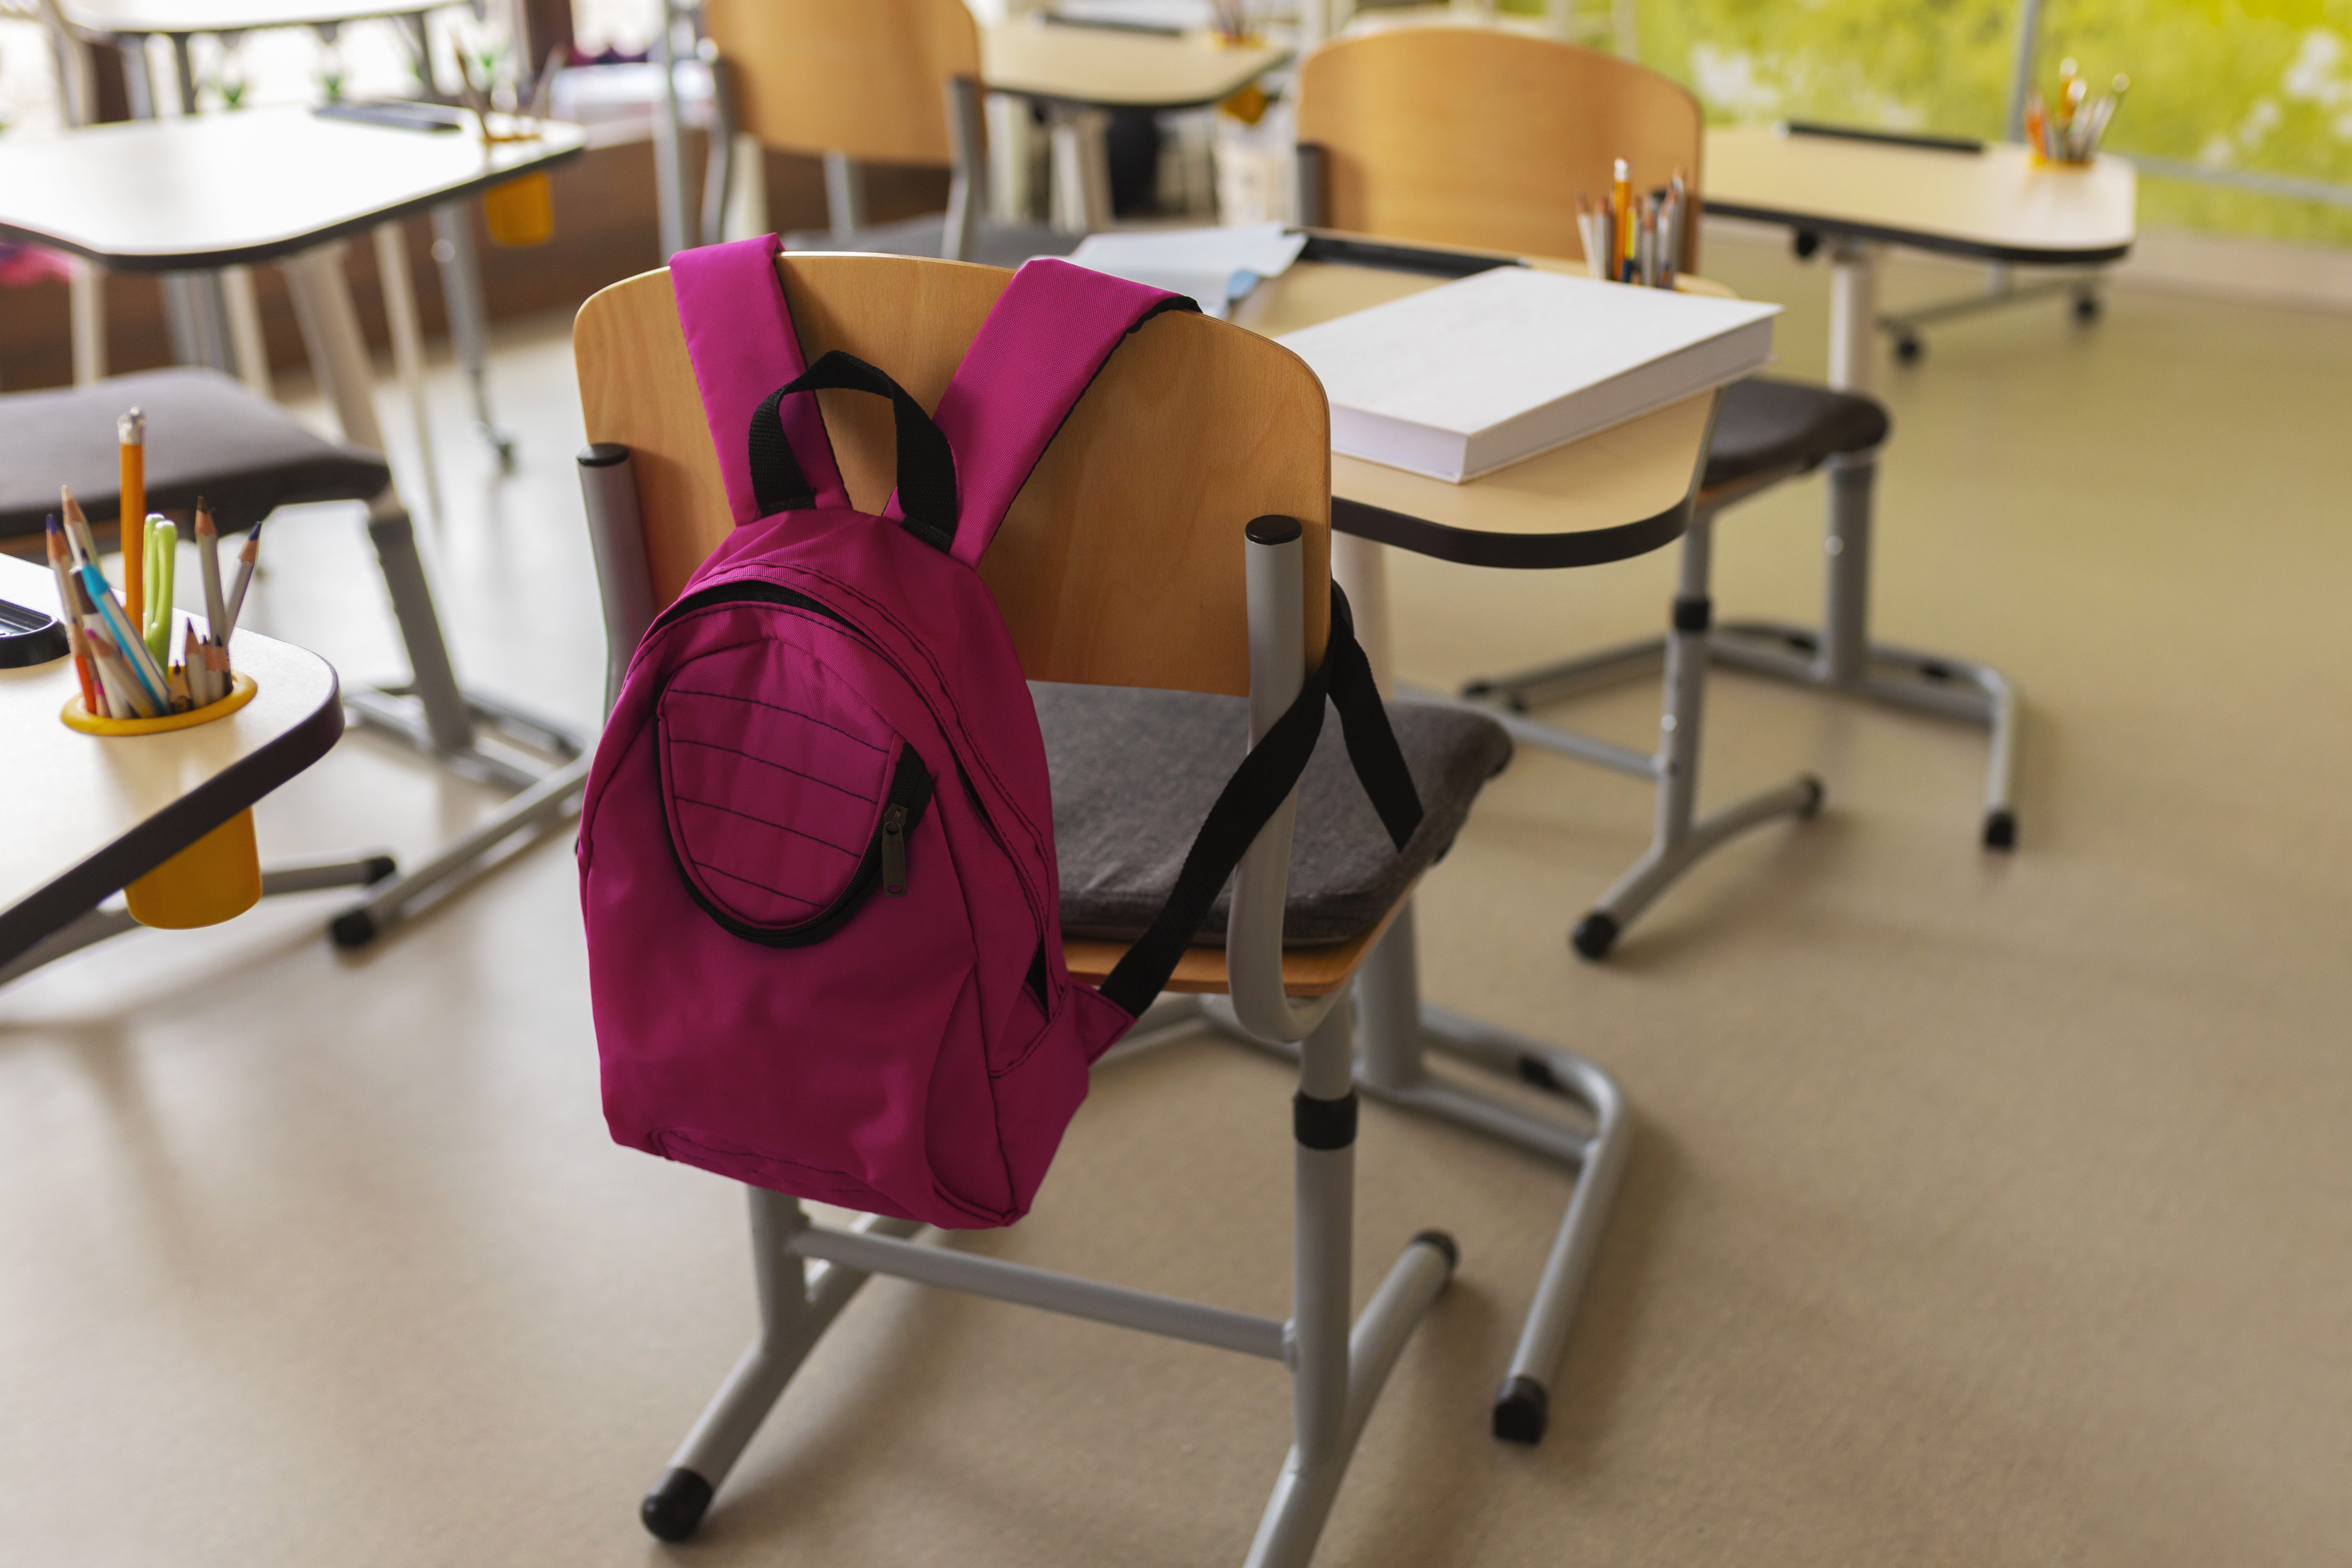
column 1461, row 380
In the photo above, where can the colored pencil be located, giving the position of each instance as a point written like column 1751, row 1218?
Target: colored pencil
column 67, row 608
column 208, row 558
column 246, row 556
column 130, row 435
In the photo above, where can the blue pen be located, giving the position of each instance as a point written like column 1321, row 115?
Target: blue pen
column 133, row 650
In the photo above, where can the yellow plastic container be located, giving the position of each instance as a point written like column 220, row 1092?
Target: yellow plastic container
column 218, row 876
column 521, row 212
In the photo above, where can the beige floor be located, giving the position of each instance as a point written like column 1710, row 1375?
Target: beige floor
column 1982, row 1211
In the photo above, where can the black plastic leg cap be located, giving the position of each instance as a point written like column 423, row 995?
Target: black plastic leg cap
column 1815, row 794
column 1595, row 934
column 1521, row 1410
column 352, row 928
column 1446, row 1245
column 2000, row 830
column 379, row 866
column 673, row 1511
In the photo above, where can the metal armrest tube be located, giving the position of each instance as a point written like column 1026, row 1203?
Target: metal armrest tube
column 608, row 486
column 1277, row 643
column 718, row 179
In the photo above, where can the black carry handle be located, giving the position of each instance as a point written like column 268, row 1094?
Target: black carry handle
column 926, row 481
column 1257, row 790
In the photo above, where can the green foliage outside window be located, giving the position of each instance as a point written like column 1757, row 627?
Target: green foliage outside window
column 2260, row 85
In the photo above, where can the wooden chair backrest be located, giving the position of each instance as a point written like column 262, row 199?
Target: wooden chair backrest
column 1121, row 562
column 1482, row 138
column 865, row 78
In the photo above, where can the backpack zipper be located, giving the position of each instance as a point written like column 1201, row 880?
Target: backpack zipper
column 894, row 852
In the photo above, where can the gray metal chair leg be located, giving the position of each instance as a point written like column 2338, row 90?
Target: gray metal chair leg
column 797, row 1299
column 1397, row 1032
column 1336, row 1372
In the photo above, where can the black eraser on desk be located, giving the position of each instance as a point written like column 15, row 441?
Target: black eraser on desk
column 28, row 636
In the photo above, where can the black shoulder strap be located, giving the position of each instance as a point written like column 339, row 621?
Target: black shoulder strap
column 927, row 478
column 1257, row 790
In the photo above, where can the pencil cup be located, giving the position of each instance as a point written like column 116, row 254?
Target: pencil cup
column 521, row 212
column 218, row 876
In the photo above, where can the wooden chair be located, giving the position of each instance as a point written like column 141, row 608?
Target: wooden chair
column 1483, row 138
column 1120, row 564
column 890, row 81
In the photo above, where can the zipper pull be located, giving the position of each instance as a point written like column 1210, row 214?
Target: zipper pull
column 894, row 851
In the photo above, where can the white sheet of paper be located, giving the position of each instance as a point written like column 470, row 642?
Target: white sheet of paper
column 1214, row 266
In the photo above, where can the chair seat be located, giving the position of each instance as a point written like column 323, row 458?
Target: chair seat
column 999, row 245
column 1135, row 772
column 207, row 435
column 1766, row 425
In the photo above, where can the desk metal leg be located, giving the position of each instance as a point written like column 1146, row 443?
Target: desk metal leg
column 1081, row 164
column 430, row 711
column 1681, row 837
column 1395, row 1031
column 407, row 346
column 470, row 331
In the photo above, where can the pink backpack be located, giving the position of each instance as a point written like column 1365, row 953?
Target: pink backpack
column 817, row 857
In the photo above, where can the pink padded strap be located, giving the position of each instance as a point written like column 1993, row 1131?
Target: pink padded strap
column 739, row 335
column 1038, row 351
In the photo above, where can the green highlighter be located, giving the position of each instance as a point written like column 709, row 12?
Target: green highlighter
column 162, row 555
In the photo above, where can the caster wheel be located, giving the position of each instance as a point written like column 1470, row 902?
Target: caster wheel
column 1909, row 349
column 354, row 928
column 379, row 866
column 673, row 1511
column 1521, row 1410
column 2000, row 830
column 1594, row 936
column 2087, row 308
column 1814, row 795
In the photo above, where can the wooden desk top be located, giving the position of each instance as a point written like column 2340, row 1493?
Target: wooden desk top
column 130, row 18
column 85, row 816
column 1106, row 68
column 216, row 189
column 1618, row 494
column 1987, row 206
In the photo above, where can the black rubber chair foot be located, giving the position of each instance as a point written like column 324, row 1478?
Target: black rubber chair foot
column 1444, row 1243
column 352, row 928
column 2000, row 830
column 1521, row 1410
column 1814, row 795
column 1594, row 936
column 673, row 1511
column 379, row 866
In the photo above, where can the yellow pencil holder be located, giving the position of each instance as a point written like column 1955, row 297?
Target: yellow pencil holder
column 521, row 212
column 218, row 876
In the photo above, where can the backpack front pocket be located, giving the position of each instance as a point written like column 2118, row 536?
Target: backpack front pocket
column 789, row 809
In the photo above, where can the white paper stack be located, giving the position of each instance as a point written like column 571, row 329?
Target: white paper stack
column 1215, row 267
column 1461, row 380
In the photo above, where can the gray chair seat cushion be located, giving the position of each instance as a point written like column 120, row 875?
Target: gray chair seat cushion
column 1001, row 243
column 1135, row 773
column 1766, row 424
column 207, row 435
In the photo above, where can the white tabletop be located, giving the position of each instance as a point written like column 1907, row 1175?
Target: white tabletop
column 1992, row 204
column 126, row 18
column 1106, row 68
column 87, row 814
column 1616, row 494
column 255, row 185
